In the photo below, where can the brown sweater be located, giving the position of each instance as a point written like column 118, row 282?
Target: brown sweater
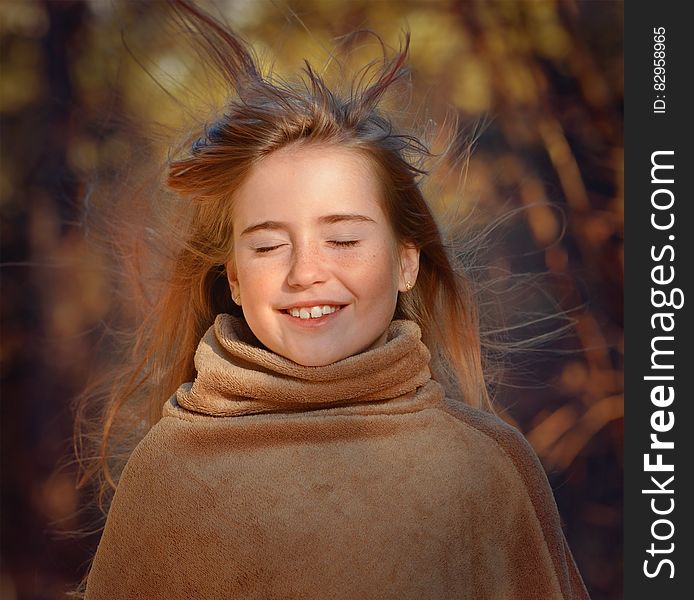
column 266, row 479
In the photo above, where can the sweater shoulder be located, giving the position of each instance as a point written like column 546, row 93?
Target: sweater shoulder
column 510, row 442
column 156, row 452
column 505, row 437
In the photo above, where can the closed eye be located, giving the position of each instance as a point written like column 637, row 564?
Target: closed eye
column 338, row 243
column 267, row 248
column 344, row 243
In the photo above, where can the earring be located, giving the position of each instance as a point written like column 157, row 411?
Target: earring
column 236, row 299
column 408, row 285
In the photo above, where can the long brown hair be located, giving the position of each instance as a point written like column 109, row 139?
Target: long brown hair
column 262, row 116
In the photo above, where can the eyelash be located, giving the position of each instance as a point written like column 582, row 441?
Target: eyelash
column 344, row 243
column 338, row 243
column 266, row 249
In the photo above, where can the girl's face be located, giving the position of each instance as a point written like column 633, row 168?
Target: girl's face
column 316, row 267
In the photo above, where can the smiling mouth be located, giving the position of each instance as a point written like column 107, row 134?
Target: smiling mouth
column 312, row 312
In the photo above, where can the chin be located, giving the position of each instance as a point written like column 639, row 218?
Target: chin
column 314, row 362
column 317, row 357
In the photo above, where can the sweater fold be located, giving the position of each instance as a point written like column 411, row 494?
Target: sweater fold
column 235, row 376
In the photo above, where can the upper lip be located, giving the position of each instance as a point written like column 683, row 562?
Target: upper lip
column 310, row 303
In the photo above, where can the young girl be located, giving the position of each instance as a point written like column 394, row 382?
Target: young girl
column 318, row 360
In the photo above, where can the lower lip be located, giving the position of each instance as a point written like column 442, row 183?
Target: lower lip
column 311, row 322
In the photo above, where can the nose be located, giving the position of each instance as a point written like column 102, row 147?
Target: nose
column 307, row 267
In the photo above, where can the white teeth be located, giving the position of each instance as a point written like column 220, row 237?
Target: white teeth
column 313, row 312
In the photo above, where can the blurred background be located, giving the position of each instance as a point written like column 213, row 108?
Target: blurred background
column 87, row 88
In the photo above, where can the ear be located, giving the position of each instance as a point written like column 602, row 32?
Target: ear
column 409, row 265
column 232, row 278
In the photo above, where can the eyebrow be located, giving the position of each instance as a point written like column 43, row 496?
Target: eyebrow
column 324, row 220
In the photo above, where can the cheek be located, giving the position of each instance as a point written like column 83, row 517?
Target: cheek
column 376, row 270
column 386, row 263
column 257, row 282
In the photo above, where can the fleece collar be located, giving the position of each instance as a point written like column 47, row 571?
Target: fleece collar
column 235, row 376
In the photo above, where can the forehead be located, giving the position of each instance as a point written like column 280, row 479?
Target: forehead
column 307, row 181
